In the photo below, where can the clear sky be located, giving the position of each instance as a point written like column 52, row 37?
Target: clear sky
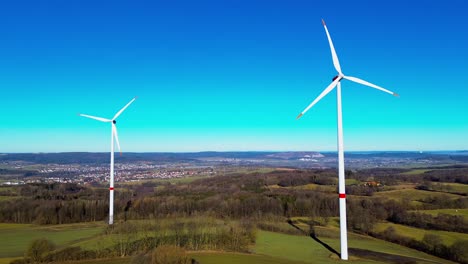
column 232, row 75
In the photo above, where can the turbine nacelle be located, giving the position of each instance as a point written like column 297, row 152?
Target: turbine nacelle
column 337, row 77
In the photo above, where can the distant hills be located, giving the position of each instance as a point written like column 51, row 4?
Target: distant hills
column 98, row 158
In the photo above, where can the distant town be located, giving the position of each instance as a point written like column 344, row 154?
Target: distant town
column 92, row 168
column 92, row 174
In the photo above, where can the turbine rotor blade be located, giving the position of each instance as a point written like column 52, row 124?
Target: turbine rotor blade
column 357, row 80
column 96, row 118
column 325, row 92
column 114, row 132
column 123, row 109
column 336, row 62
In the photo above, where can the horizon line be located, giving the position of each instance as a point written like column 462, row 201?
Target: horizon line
column 227, row 151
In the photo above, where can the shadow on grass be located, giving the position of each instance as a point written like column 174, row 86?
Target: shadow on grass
column 363, row 253
column 314, row 237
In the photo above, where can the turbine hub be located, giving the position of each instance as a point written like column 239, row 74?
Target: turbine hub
column 113, row 121
column 337, row 77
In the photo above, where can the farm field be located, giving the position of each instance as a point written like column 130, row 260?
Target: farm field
column 16, row 237
column 450, row 187
column 235, row 258
column 270, row 247
column 305, row 249
column 448, row 238
column 412, row 195
column 460, row 212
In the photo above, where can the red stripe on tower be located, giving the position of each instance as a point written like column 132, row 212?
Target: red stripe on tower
column 111, row 188
column 342, row 195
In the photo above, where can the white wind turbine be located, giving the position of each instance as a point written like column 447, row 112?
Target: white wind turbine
column 113, row 134
column 341, row 171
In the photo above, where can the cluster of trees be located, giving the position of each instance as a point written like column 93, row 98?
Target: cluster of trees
column 363, row 190
column 457, row 175
column 320, row 177
column 387, row 176
column 55, row 204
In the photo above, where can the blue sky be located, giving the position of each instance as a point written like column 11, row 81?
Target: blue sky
column 231, row 75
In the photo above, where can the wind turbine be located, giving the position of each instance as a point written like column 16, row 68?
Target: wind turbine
column 113, row 135
column 341, row 171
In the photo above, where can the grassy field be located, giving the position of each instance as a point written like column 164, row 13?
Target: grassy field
column 351, row 181
column 125, row 260
column 305, row 249
column 460, row 212
column 412, row 195
column 270, row 247
column 415, row 172
column 7, row 260
column 15, row 238
column 331, row 236
column 9, row 189
column 448, row 238
column 248, row 170
column 235, row 258
column 6, row 198
column 310, row 186
column 457, row 188
column 185, row 179
column 290, row 247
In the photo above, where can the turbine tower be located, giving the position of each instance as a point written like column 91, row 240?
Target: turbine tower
column 341, row 170
column 113, row 135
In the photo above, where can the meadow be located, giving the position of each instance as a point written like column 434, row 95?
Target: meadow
column 16, row 237
column 456, row 212
column 448, row 238
column 269, row 247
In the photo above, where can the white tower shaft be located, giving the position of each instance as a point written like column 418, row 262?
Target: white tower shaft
column 111, row 186
column 341, row 178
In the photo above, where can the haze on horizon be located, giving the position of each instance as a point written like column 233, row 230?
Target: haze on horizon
column 217, row 76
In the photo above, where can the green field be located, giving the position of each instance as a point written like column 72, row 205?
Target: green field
column 457, row 188
column 6, row 198
column 278, row 248
column 235, row 258
column 415, row 172
column 247, row 170
column 7, row 260
column 16, row 237
column 290, row 247
column 448, row 238
column 270, row 247
column 460, row 212
column 305, row 249
column 351, row 182
column 310, row 186
column 125, row 260
column 412, row 195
